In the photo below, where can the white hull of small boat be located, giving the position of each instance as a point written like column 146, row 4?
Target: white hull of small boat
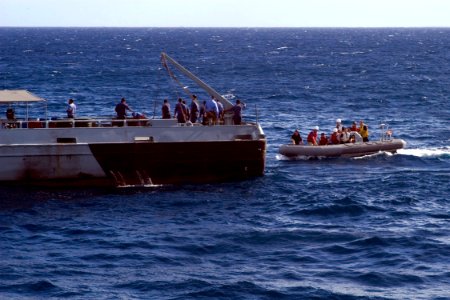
column 342, row 150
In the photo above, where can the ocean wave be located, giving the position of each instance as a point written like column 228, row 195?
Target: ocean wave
column 336, row 210
column 114, row 258
column 158, row 288
column 237, row 290
column 387, row 279
column 41, row 287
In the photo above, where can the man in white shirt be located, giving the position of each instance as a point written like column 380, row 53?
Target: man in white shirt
column 71, row 109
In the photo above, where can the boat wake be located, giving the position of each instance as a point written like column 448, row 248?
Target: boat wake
column 299, row 157
column 303, row 157
column 282, row 157
column 378, row 154
column 133, row 186
column 426, row 152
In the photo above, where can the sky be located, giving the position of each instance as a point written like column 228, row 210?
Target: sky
column 225, row 13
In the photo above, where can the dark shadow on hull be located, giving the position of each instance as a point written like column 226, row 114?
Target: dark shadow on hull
column 181, row 163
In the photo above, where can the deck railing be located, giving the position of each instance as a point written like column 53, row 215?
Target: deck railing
column 97, row 122
column 67, row 123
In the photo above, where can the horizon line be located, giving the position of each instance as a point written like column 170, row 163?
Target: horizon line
column 239, row 27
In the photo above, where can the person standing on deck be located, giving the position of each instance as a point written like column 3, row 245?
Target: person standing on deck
column 221, row 111
column 194, row 109
column 203, row 113
column 71, row 109
column 187, row 112
column 180, row 111
column 237, row 112
column 165, row 109
column 212, row 111
column 121, row 109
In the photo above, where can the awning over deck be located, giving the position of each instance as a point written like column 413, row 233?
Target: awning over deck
column 8, row 96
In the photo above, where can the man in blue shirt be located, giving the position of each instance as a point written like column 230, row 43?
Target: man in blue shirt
column 212, row 110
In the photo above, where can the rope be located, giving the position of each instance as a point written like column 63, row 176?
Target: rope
column 174, row 78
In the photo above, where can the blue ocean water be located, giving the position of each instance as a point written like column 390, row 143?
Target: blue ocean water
column 369, row 228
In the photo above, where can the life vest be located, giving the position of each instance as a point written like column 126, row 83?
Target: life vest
column 364, row 131
column 334, row 138
column 323, row 140
column 312, row 138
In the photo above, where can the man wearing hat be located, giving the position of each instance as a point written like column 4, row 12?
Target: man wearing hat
column 334, row 138
column 339, row 124
column 312, row 136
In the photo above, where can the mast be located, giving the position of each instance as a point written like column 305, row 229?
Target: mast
column 164, row 57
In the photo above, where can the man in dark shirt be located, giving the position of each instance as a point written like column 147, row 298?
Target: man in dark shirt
column 296, row 138
column 121, row 109
column 180, row 111
column 237, row 112
column 194, row 109
column 166, row 110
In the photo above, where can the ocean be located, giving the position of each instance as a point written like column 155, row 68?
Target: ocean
column 375, row 227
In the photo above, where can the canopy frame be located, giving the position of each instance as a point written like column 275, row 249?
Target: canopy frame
column 20, row 96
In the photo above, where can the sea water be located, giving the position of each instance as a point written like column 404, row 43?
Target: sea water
column 373, row 227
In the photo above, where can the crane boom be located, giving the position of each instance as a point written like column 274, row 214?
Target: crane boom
column 226, row 104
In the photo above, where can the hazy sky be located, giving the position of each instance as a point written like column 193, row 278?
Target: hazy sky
column 226, row 13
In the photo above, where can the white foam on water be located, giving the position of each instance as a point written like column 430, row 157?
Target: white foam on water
column 126, row 186
column 426, row 152
column 379, row 153
column 282, row 157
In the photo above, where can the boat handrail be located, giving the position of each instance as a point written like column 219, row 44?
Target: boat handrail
column 385, row 132
column 77, row 122
column 99, row 122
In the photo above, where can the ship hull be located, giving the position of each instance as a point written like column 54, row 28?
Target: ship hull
column 179, row 163
column 128, row 156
